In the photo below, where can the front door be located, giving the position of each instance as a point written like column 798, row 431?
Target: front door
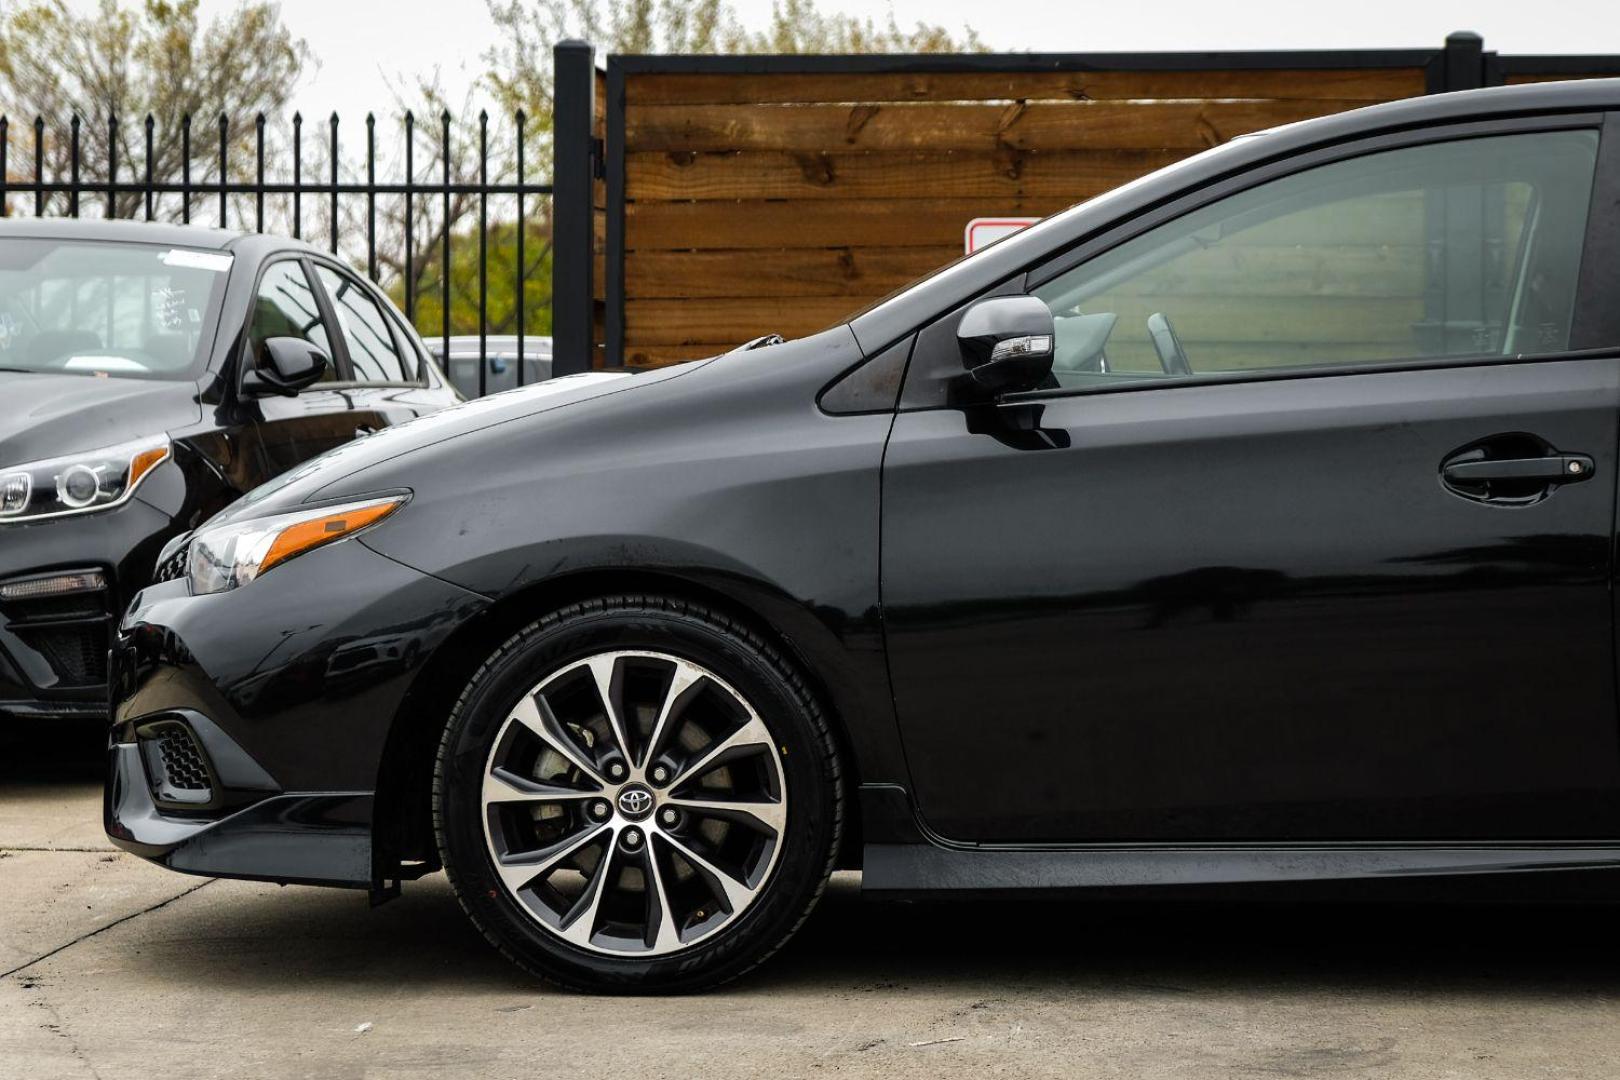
column 1309, row 540
column 281, row 432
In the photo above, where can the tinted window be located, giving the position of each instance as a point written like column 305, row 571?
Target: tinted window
column 286, row 307
column 372, row 348
column 1458, row 249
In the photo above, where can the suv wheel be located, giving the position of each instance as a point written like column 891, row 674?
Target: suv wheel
column 637, row 793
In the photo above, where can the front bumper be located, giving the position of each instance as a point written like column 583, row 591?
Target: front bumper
column 53, row 650
column 249, row 726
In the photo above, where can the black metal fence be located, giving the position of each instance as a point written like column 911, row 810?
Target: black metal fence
column 215, row 186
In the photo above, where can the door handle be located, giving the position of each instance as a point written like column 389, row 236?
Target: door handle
column 1551, row 469
column 1511, row 469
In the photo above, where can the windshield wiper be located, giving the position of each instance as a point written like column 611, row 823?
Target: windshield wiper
column 760, row 342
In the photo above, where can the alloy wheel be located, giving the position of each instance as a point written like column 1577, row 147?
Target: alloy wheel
column 634, row 803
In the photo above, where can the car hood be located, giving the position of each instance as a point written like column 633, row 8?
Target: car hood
column 45, row 415
column 308, row 481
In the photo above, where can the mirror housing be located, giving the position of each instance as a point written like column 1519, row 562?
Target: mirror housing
column 286, row 366
column 1007, row 343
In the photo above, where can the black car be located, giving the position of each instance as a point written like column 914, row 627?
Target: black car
column 1252, row 525
column 149, row 375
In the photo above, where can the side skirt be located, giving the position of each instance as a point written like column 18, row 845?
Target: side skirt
column 912, row 869
column 902, row 860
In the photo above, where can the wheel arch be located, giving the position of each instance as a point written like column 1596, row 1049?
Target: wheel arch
column 403, row 845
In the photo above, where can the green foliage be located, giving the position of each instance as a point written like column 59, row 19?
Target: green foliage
column 501, row 288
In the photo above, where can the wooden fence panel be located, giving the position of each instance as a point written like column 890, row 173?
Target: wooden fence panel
column 1002, row 172
column 781, row 202
column 735, row 196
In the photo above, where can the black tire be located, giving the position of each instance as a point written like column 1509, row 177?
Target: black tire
column 756, row 670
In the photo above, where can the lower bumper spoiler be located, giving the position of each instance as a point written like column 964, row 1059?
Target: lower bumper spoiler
column 309, row 838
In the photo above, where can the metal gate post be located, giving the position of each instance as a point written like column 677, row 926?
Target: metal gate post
column 573, row 169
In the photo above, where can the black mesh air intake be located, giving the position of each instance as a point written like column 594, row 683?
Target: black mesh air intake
column 76, row 653
column 176, row 764
column 64, row 617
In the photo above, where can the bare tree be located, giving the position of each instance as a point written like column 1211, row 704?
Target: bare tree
column 130, row 63
column 471, row 149
column 520, row 66
column 520, row 80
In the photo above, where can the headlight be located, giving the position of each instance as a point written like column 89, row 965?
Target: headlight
column 233, row 554
column 78, row 483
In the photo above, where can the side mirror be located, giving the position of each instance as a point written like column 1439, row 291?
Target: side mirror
column 286, row 366
column 1007, row 343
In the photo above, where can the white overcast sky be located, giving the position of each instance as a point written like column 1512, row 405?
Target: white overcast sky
column 362, row 43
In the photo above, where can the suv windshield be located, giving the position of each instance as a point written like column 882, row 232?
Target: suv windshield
column 114, row 310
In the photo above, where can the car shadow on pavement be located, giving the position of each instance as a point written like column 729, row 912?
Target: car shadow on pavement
column 1195, row 946
column 305, row 937
column 38, row 752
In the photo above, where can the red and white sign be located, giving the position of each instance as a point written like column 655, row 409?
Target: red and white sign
column 983, row 231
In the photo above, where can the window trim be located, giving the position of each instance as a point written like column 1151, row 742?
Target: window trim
column 1590, row 319
column 1322, row 371
column 247, row 362
column 384, row 308
column 1599, row 272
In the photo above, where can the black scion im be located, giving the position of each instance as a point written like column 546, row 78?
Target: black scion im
column 1250, row 526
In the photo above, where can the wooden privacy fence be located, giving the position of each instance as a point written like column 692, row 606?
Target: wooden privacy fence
column 719, row 198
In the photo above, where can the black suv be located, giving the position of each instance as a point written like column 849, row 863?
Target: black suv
column 149, row 375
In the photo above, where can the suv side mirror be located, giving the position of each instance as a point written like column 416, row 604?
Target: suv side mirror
column 1007, row 343
column 286, row 366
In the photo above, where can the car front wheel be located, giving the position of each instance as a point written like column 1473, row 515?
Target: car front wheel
column 637, row 793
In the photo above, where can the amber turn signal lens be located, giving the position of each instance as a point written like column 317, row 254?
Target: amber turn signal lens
column 144, row 462
column 308, row 535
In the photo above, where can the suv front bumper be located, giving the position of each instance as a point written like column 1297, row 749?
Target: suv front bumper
column 53, row 648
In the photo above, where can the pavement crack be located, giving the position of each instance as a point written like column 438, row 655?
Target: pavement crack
column 80, row 850
column 59, row 1029
column 103, row 929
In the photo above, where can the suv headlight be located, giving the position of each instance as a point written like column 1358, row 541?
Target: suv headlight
column 78, row 483
column 231, row 555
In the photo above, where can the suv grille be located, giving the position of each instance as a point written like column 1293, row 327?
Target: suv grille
column 64, row 618
column 76, row 653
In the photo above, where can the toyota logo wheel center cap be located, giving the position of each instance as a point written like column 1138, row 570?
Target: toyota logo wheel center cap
column 635, row 802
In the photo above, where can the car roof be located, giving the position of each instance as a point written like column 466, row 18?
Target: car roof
column 890, row 318
column 134, row 232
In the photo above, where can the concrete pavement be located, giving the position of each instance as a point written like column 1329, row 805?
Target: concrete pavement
column 115, row 968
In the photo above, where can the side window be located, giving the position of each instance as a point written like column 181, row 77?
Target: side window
column 286, row 307
column 1454, row 249
column 373, row 352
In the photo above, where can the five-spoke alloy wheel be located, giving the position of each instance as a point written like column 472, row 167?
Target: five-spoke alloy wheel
column 652, row 791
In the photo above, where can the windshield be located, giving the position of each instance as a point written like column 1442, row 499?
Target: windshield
column 113, row 310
